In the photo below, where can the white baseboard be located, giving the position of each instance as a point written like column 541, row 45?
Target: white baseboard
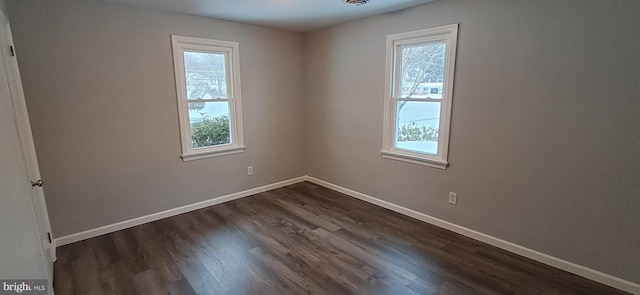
column 87, row 234
column 571, row 267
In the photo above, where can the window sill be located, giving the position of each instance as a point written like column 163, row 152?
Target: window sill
column 415, row 159
column 212, row 153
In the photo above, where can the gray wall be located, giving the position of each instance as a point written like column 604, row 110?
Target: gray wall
column 544, row 141
column 101, row 94
column 544, row 146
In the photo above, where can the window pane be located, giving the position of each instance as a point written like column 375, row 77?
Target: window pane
column 206, row 75
column 417, row 126
column 422, row 72
column 209, row 122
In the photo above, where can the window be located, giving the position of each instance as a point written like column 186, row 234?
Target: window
column 208, row 92
column 420, row 69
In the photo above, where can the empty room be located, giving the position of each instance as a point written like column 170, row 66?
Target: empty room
column 320, row 147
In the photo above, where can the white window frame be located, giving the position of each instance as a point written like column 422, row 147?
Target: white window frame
column 180, row 44
column 449, row 35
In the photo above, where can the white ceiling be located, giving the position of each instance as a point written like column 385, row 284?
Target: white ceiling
column 296, row 15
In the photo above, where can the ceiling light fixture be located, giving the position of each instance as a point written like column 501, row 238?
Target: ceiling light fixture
column 356, row 2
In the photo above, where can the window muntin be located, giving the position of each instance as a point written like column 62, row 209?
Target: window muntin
column 420, row 67
column 208, row 93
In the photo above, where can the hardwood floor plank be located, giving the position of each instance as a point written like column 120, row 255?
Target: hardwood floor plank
column 149, row 282
column 151, row 241
column 116, row 279
column 301, row 239
column 180, row 287
column 62, row 275
column 130, row 250
column 85, row 271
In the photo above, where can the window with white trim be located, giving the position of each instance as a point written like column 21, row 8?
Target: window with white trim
column 419, row 89
column 208, row 92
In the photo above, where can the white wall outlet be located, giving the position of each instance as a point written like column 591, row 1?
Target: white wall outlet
column 250, row 170
column 453, row 198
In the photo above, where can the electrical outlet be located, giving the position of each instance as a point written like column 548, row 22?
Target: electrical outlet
column 453, row 198
column 250, row 170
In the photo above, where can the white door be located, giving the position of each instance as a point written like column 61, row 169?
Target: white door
column 25, row 248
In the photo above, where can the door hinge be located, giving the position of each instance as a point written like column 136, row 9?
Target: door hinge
column 49, row 236
column 13, row 51
column 37, row 183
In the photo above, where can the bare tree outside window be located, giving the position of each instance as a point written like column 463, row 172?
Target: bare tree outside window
column 421, row 64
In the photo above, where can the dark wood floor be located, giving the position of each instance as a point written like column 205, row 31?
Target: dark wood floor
column 301, row 239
